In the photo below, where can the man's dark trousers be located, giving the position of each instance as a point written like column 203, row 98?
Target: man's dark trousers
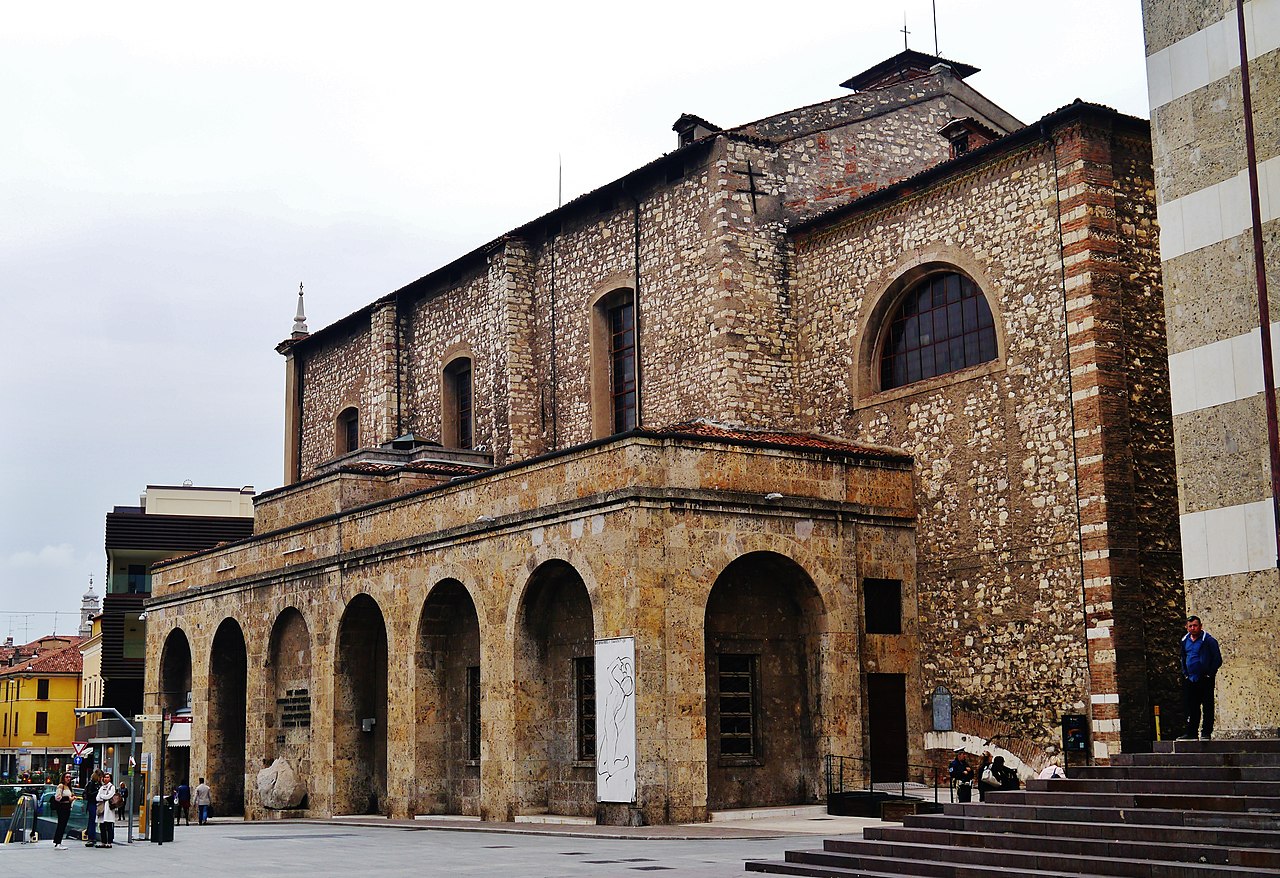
column 1197, row 696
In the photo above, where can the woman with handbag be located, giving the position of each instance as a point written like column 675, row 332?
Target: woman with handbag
column 108, row 802
column 63, row 796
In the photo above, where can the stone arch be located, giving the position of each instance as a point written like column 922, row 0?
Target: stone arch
column 888, row 292
column 555, row 728
column 360, row 710
column 226, row 723
column 764, row 621
column 557, row 554
column 446, row 671
column 175, row 696
column 289, row 687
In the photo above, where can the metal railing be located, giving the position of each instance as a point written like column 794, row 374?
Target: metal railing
column 847, row 774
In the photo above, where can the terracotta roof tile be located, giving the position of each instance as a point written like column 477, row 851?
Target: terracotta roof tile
column 65, row 660
column 704, row 428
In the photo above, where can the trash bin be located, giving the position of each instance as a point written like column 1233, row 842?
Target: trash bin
column 160, row 820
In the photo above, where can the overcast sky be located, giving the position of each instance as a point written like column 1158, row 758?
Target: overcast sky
column 172, row 172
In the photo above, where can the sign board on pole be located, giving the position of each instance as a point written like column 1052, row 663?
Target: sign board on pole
column 146, row 717
column 80, row 748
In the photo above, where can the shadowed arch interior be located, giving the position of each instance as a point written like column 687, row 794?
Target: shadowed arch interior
column 360, row 710
column 228, row 682
column 555, row 646
column 288, row 715
column 447, row 687
column 764, row 619
column 175, row 694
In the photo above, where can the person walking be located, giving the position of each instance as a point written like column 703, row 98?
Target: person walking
column 204, row 798
column 182, row 798
column 91, row 809
column 63, row 796
column 1201, row 658
column 108, row 801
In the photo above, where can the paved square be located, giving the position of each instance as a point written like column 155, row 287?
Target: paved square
column 314, row 850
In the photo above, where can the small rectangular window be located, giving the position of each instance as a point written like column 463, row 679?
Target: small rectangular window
column 585, row 682
column 42, row 723
column 738, row 703
column 882, row 605
column 473, row 712
column 42, row 690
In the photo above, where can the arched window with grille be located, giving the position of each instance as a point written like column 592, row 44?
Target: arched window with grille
column 942, row 324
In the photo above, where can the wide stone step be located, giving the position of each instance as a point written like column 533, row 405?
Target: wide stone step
column 1193, row 773
column 1136, row 832
column 1165, row 786
column 943, row 861
column 1194, row 802
column 1178, row 760
column 822, row 863
column 1180, row 849
column 1219, row 745
column 1173, row 817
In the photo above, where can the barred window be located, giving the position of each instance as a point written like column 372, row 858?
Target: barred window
column 622, row 365
column 585, row 681
column 943, row 324
column 473, row 712
column 738, row 703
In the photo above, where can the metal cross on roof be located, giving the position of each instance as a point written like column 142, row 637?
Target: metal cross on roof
column 752, row 190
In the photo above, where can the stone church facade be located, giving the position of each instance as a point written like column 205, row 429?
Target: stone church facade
column 819, row 420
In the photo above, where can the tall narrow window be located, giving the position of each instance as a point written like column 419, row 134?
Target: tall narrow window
column 585, row 682
column 458, row 431
column 473, row 712
column 943, row 324
column 622, row 364
column 42, row 723
column 42, row 690
column 348, row 430
column 738, row 703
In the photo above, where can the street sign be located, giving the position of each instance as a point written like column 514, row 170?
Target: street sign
column 77, row 759
column 146, row 717
column 80, row 748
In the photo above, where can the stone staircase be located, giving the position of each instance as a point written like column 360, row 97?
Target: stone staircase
column 1192, row 809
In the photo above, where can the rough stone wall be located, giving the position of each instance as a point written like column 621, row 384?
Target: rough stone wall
column 338, row 375
column 458, row 321
column 647, row 524
column 999, row 572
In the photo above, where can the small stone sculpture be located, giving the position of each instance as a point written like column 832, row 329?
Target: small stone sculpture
column 280, row 787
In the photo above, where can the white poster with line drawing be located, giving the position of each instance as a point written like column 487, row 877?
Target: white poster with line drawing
column 616, row 720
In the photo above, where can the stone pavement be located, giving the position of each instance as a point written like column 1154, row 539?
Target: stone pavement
column 362, row 846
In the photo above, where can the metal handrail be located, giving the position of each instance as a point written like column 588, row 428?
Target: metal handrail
column 863, row 771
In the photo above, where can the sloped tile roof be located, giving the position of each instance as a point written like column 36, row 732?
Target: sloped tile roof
column 65, row 660
column 704, row 428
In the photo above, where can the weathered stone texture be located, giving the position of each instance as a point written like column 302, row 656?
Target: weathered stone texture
column 624, row 539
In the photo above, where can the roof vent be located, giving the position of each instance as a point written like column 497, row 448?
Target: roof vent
column 689, row 128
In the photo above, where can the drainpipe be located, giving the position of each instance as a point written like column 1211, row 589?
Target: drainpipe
column 1260, row 272
column 635, row 201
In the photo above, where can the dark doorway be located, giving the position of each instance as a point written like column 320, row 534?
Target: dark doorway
column 887, row 712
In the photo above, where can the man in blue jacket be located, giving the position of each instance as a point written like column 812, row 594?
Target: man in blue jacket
column 1201, row 659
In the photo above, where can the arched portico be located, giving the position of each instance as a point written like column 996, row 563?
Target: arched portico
column 447, row 703
column 554, row 706
column 226, row 724
column 360, row 710
column 764, row 618
column 175, row 700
